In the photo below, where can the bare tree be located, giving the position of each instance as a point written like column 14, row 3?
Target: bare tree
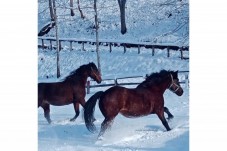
column 51, row 10
column 81, row 13
column 50, row 25
column 121, row 4
column 97, row 35
column 78, row 5
column 57, row 38
column 71, row 8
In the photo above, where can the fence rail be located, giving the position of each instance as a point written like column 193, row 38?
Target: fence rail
column 125, row 45
column 115, row 81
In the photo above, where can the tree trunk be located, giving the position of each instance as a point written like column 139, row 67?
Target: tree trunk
column 51, row 10
column 81, row 13
column 71, row 8
column 122, row 15
column 57, row 38
column 97, row 36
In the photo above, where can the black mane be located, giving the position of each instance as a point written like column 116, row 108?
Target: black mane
column 155, row 78
column 78, row 72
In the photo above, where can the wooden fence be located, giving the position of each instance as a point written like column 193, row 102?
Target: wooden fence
column 115, row 81
column 50, row 46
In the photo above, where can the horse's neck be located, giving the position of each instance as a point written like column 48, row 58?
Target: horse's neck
column 154, row 87
column 165, row 85
column 79, row 79
column 83, row 80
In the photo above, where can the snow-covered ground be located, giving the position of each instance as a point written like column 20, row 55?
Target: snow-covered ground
column 153, row 22
column 144, row 133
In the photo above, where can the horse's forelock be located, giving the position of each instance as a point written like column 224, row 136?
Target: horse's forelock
column 93, row 66
column 174, row 74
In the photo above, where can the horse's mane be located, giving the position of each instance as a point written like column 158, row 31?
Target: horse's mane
column 77, row 72
column 154, row 78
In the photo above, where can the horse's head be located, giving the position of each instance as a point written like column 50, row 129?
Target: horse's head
column 175, row 85
column 94, row 73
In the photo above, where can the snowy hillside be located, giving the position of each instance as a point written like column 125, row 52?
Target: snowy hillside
column 152, row 21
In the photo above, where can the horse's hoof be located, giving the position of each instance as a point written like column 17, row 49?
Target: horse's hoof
column 100, row 138
column 72, row 120
column 170, row 118
column 93, row 120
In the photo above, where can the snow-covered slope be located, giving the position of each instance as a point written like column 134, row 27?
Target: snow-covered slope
column 152, row 21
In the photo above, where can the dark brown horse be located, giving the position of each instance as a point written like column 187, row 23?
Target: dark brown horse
column 147, row 98
column 70, row 90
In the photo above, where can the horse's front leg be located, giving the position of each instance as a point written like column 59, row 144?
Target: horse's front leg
column 46, row 108
column 170, row 116
column 163, row 119
column 77, row 110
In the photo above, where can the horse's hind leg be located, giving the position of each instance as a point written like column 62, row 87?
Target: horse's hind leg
column 170, row 116
column 77, row 110
column 105, row 125
column 46, row 108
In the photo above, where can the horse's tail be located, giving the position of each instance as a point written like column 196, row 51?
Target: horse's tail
column 89, row 110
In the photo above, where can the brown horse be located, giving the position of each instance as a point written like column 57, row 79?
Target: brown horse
column 147, row 98
column 70, row 90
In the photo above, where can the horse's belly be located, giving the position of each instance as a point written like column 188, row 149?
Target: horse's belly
column 136, row 108
column 133, row 113
column 59, row 101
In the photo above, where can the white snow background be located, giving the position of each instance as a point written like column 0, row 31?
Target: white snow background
column 141, row 28
column 207, row 76
column 146, row 22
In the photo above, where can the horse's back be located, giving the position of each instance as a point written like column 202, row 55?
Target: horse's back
column 129, row 102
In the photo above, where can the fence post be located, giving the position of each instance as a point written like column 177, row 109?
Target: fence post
column 168, row 51
column 152, row 50
column 115, row 82
column 124, row 48
column 60, row 45
column 110, row 46
column 83, row 46
column 181, row 52
column 138, row 49
column 71, row 46
column 51, row 45
column 42, row 43
column 88, row 87
column 187, row 80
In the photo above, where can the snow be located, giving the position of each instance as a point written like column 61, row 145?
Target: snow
column 144, row 133
column 208, row 34
column 147, row 22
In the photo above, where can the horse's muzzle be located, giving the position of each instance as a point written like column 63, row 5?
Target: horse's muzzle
column 179, row 92
column 99, row 81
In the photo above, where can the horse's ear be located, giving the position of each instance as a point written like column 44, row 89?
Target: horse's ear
column 90, row 64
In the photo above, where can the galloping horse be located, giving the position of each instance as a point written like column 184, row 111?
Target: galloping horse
column 147, row 98
column 70, row 90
